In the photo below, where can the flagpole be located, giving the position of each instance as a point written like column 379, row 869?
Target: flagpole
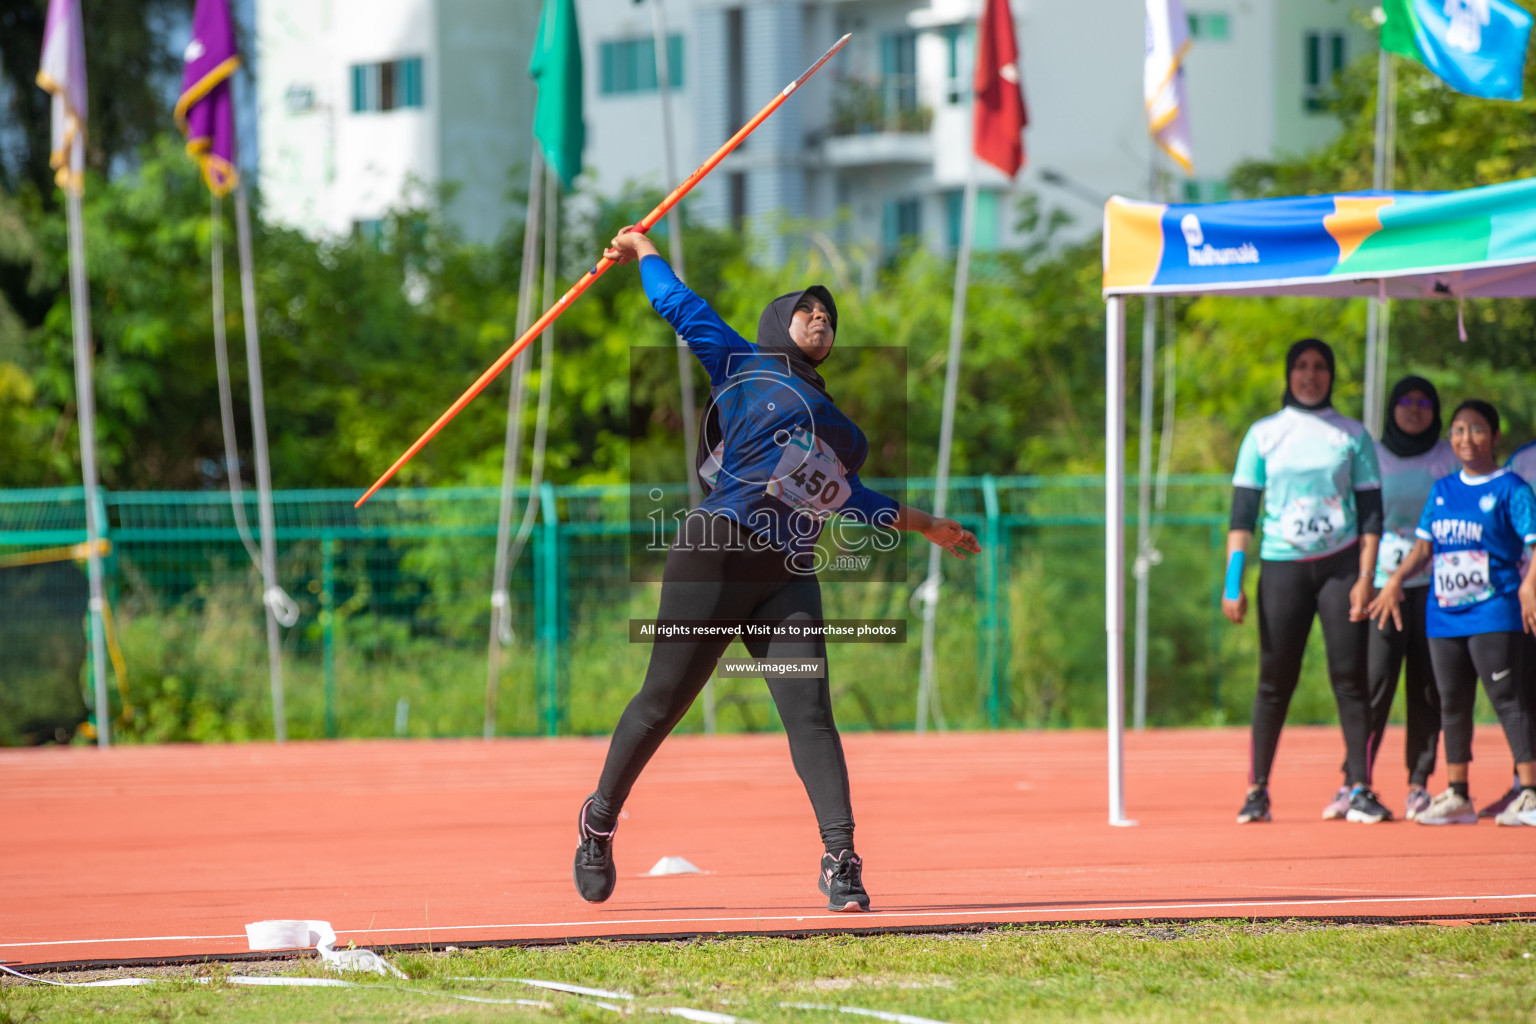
column 272, row 597
column 221, row 364
column 675, row 257
column 927, row 686
column 1141, row 567
column 1377, row 311
column 501, row 599
column 85, row 401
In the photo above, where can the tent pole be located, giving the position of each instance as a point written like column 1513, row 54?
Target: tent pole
column 1142, row 565
column 1114, row 549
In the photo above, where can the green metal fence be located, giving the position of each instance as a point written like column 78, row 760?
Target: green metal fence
column 394, row 603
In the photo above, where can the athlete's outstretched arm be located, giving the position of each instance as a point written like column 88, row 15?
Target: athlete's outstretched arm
column 944, row 532
column 709, row 338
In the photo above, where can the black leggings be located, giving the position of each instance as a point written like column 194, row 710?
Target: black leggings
column 1291, row 594
column 1499, row 658
column 1389, row 649
column 701, row 581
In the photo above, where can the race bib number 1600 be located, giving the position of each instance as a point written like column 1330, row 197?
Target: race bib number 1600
column 1461, row 578
column 809, row 477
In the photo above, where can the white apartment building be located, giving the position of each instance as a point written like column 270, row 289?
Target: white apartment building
column 360, row 102
column 874, row 153
column 882, row 147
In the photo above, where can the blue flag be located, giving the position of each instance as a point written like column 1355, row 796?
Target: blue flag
column 1475, row 46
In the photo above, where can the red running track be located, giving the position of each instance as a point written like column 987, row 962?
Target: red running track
column 149, row 852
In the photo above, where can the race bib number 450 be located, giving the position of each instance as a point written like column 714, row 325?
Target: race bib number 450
column 809, row 477
column 1461, row 578
column 1312, row 523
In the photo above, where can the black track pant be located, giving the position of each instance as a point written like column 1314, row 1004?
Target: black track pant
column 1389, row 650
column 1499, row 659
column 703, row 582
column 1291, row 594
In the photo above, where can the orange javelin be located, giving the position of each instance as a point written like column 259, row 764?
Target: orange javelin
column 596, row 272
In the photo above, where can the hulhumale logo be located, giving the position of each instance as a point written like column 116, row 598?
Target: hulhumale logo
column 1202, row 254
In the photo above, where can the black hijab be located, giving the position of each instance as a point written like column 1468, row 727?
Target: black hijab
column 1397, row 440
column 773, row 333
column 1323, row 349
column 772, row 337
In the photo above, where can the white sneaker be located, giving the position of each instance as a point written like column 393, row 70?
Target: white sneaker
column 1449, row 808
column 1338, row 807
column 1518, row 808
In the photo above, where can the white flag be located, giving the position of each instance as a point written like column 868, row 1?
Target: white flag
column 62, row 73
column 1163, row 82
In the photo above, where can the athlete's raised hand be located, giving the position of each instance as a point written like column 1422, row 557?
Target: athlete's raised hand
column 628, row 245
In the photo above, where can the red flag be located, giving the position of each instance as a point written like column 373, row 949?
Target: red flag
column 998, row 129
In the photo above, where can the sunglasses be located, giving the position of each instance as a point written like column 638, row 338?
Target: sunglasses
column 1408, row 402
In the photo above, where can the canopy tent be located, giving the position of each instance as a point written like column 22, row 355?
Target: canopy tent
column 1475, row 243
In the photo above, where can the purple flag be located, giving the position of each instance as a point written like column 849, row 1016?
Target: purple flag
column 62, row 73
column 205, row 110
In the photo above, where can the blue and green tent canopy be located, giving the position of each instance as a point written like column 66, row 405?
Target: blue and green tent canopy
column 1474, row 243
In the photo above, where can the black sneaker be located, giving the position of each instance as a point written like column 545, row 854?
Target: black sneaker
column 1498, row 807
column 1365, row 808
column 1255, row 808
column 594, row 871
column 842, row 881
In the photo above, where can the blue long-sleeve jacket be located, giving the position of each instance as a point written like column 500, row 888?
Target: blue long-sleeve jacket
column 782, row 438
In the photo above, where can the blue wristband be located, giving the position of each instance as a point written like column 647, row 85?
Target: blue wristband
column 1234, row 588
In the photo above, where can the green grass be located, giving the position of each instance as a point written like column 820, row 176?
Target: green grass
column 1211, row 971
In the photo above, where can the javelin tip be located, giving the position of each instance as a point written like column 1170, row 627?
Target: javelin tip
column 818, row 65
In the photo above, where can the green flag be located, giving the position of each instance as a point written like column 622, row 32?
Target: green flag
column 556, row 68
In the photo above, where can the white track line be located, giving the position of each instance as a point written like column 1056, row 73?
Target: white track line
column 895, row 1018
column 875, row 920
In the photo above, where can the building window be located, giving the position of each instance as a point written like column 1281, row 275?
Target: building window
column 903, row 222
column 1325, row 55
column 370, row 231
column 738, row 200
column 389, row 85
column 898, row 70
column 629, row 65
column 1206, row 190
column 957, row 71
column 985, row 238
column 1212, row 26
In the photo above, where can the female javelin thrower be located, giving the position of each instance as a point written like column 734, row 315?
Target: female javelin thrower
column 1315, row 473
column 1413, row 456
column 1476, row 526
column 779, row 457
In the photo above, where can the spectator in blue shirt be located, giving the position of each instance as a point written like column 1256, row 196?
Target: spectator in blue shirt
column 1475, row 528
